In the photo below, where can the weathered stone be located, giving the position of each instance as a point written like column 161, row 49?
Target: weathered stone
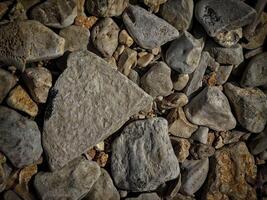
column 86, row 22
column 145, row 196
column 142, row 156
column 258, row 143
column 250, row 106
column 144, row 60
column 28, row 41
column 223, row 73
column 147, row 30
column 20, row 138
column 173, row 188
column 105, row 36
column 178, row 13
column 134, row 76
column 154, row 5
column 7, row 82
column 201, row 151
column 228, row 38
column 103, row 189
column 125, row 38
column 230, row 167
column 73, row 181
column 120, row 49
column 184, row 53
column 255, row 73
column 181, row 148
column 229, row 137
column 157, row 81
column 201, row 135
column 194, row 174
column 10, row 195
column 180, row 82
column 19, row 99
column 223, row 15
column 17, row 12
column 3, row 8
column 174, row 100
column 127, row 60
column 55, row 13
column 71, row 128
column 205, row 109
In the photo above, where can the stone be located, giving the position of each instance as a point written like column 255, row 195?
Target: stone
column 181, row 148
column 28, row 41
column 73, row 181
column 173, row 188
column 174, row 100
column 72, row 42
column 258, row 143
column 5, row 171
column 179, row 125
column 7, row 82
column 71, row 128
column 154, row 5
column 20, row 138
column 218, row 16
column 183, row 197
column 17, row 12
column 120, row 50
column 145, row 196
column 229, row 137
column 101, row 158
column 180, row 82
column 55, row 13
column 142, row 156
column 194, row 174
column 201, row 135
column 134, row 76
column 147, row 30
column 19, row 99
column 255, row 73
column 105, row 36
column 106, row 8
column 250, row 106
column 230, row 167
column 103, row 189
column 223, row 73
column 184, row 53
column 3, row 8
column 112, row 62
column 125, row 38
column 205, row 109
column 201, row 151
column 10, row 195
column 86, row 22
column 145, row 60
column 157, row 81
column 228, row 38
column 127, row 61
column 178, row 13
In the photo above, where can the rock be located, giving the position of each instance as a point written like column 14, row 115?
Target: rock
column 85, row 22
column 174, row 100
column 147, row 30
column 134, row 76
column 223, row 73
column 230, row 167
column 173, row 188
column 127, row 60
column 17, row 12
column 181, row 148
column 89, row 82
column 179, row 125
column 123, row 193
column 205, row 109
column 28, row 41
column 55, row 13
column 5, row 171
column 119, row 51
column 145, row 196
column 258, row 143
column 7, row 82
column 229, row 137
column 201, row 151
column 183, row 197
column 3, row 8
column 255, row 73
column 10, row 195
column 142, row 156
column 125, row 38
column 194, row 174
column 145, row 60
column 180, row 82
column 184, row 53
column 178, row 13
column 101, row 158
column 250, row 106
column 72, row 42
column 201, row 135
column 73, row 181
column 20, row 138
column 154, row 5
column 228, row 38
column 19, row 99
column 217, row 15
column 157, row 81
column 106, row 8
column 103, row 189
column 105, row 36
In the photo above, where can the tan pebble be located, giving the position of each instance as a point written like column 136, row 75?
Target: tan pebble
column 155, row 51
column 100, row 146
column 180, row 82
column 102, row 159
column 87, row 22
column 125, row 38
column 90, row 154
column 118, row 52
column 181, row 148
column 145, row 60
column 127, row 60
column 112, row 62
column 26, row 174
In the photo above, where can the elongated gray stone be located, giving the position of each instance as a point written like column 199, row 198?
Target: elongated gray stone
column 89, row 102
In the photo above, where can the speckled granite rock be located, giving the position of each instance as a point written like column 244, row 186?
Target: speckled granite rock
column 7, row 82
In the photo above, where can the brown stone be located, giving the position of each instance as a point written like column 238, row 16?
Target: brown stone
column 87, row 22
column 181, row 148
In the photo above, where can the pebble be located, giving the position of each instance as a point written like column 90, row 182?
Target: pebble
column 10, row 195
column 228, row 38
column 5, row 171
column 223, row 73
column 54, row 13
column 258, row 143
column 157, row 81
column 229, row 137
column 112, row 62
column 250, row 106
column 145, row 60
column 127, row 61
column 20, row 138
column 181, row 148
column 146, row 29
column 134, row 76
column 180, row 81
column 86, row 22
column 73, row 181
column 205, row 109
column 201, row 151
column 145, row 196
column 142, row 156
column 105, row 35
column 201, row 135
column 154, row 5
column 125, row 38
column 183, row 197
column 89, row 82
column 178, row 13
column 184, row 53
column 17, row 12
column 119, row 51
column 174, row 100
column 39, row 81
column 7, row 82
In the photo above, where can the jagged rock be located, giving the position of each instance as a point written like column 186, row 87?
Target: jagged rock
column 125, row 38
column 145, row 196
column 4, row 8
column 223, row 73
column 7, row 82
column 181, row 148
column 228, row 38
column 180, row 82
column 201, row 135
column 258, row 142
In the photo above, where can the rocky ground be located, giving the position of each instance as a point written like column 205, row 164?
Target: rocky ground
column 134, row 100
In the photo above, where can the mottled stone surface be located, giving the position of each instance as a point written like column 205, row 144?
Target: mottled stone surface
column 201, row 151
column 228, row 38
column 145, row 196
column 71, row 182
column 147, row 30
column 80, row 114
column 7, row 82
column 142, row 156
column 127, row 60
column 223, row 73
column 20, row 138
column 181, row 148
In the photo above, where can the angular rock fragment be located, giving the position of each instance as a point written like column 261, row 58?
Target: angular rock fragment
column 201, row 151
column 125, row 38
column 80, row 114
column 258, row 142
column 181, row 148
column 142, row 156
column 145, row 196
column 7, row 82
column 201, row 135
column 147, row 30
column 223, row 73
column 127, row 60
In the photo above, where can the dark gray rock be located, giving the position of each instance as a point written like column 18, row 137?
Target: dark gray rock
column 80, row 114
column 20, row 138
column 250, row 106
column 201, row 135
column 147, row 30
column 10, row 195
column 223, row 73
column 258, row 142
column 184, row 53
column 211, row 108
column 55, row 13
column 71, row 182
column 143, row 157
column 145, row 196
column 28, row 41
column 223, row 15
column 7, row 82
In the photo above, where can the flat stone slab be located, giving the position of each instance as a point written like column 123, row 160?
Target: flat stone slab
column 89, row 102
